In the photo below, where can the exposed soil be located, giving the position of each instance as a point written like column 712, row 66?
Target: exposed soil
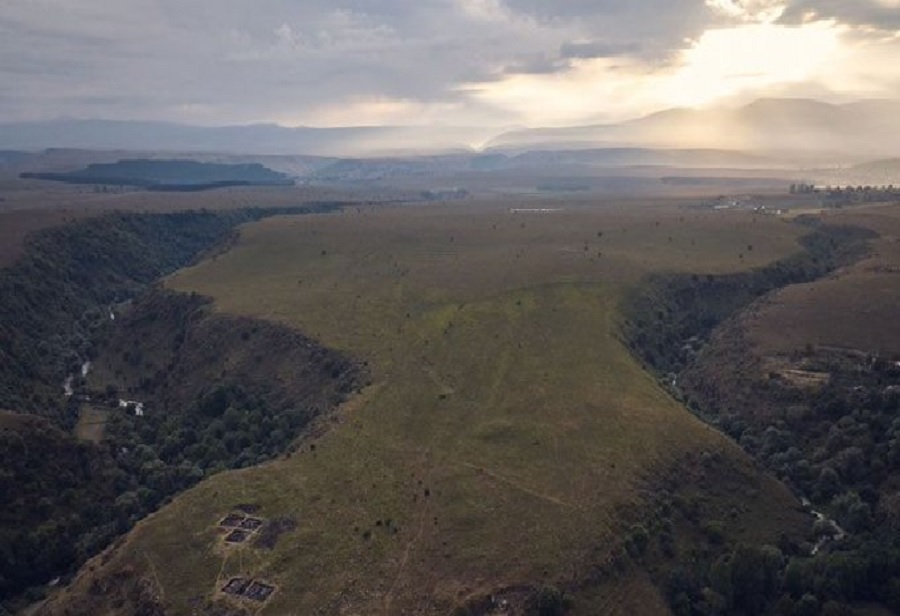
column 232, row 520
column 268, row 536
column 246, row 588
column 237, row 536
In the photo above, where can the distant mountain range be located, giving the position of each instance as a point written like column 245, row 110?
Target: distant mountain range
column 787, row 130
column 257, row 139
column 583, row 162
column 784, row 128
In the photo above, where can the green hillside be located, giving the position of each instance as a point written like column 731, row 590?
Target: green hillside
column 508, row 441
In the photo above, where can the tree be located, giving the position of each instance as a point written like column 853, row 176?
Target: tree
column 828, row 483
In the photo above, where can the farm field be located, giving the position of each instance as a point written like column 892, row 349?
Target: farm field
column 506, row 439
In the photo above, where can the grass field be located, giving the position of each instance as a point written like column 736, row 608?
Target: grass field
column 854, row 309
column 27, row 206
column 507, row 436
column 91, row 422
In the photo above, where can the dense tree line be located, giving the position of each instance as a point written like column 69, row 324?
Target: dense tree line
column 840, row 196
column 762, row 579
column 672, row 315
column 61, row 500
column 54, row 503
column 837, row 445
column 57, row 295
column 854, row 195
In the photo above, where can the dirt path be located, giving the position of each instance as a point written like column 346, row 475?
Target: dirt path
column 519, row 486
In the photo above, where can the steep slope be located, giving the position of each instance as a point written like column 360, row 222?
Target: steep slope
column 215, row 392
column 508, row 442
column 57, row 294
column 64, row 500
column 806, row 380
column 50, row 488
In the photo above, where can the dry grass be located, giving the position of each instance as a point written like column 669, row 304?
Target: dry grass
column 27, row 206
column 507, row 428
column 91, row 423
column 855, row 308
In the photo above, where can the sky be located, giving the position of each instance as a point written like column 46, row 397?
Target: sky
column 434, row 62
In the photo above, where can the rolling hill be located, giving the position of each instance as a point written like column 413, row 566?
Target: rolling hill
column 508, row 449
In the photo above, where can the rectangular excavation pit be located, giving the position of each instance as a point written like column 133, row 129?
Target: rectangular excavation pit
column 236, row 586
column 237, row 536
column 259, row 591
column 251, row 524
column 250, row 589
column 232, row 520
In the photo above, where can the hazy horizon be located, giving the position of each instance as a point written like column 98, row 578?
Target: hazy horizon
column 781, row 130
column 726, row 106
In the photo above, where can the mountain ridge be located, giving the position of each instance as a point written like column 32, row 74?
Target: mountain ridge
column 861, row 129
column 856, row 130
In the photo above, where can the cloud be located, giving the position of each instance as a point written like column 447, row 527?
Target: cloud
column 486, row 10
column 760, row 11
column 244, row 63
column 362, row 61
column 598, row 49
column 876, row 14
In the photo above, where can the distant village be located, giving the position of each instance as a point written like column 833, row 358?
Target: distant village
column 809, row 196
column 840, row 196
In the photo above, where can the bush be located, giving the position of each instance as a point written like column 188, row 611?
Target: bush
column 548, row 601
column 714, row 531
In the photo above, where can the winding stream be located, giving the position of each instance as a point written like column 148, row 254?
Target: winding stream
column 837, row 534
column 68, row 390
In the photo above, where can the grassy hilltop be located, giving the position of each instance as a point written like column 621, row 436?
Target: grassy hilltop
column 507, row 439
